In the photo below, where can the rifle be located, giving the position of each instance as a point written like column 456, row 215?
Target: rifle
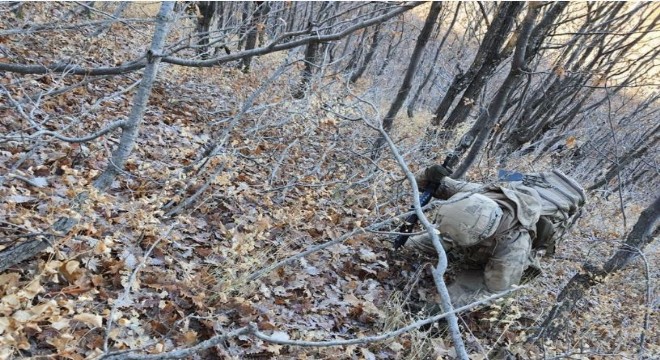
column 424, row 198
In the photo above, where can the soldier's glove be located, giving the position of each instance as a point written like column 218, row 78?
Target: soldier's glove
column 431, row 178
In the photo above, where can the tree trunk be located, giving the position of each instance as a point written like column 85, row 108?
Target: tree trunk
column 644, row 231
column 245, row 27
column 630, row 156
column 462, row 109
column 207, row 10
column 367, row 58
column 251, row 40
column 311, row 60
column 390, row 47
column 488, row 51
column 418, row 92
column 356, row 53
column 63, row 225
column 264, row 10
column 401, row 96
column 476, row 137
column 131, row 130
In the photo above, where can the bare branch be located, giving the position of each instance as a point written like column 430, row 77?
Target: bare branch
column 138, row 64
column 105, row 130
column 370, row 339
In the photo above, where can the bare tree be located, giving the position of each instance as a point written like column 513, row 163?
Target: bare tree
column 404, row 90
column 643, row 233
column 131, row 129
column 433, row 68
column 490, row 55
column 476, row 137
column 375, row 37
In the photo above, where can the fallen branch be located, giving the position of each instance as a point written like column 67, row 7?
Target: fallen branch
column 369, row 339
column 252, row 329
column 645, row 230
column 57, row 135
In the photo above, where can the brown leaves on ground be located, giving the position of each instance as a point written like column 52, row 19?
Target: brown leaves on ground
column 193, row 284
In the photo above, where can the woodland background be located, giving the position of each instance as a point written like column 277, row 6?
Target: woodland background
column 157, row 158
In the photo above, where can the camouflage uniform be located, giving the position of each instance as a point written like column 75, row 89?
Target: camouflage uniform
column 492, row 226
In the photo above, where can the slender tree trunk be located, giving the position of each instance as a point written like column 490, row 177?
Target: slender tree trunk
column 418, row 92
column 558, row 105
column 207, row 10
column 245, row 27
column 311, row 59
column 251, row 40
column 476, row 137
column 488, row 51
column 131, row 130
column 367, row 58
column 356, row 54
column 264, row 10
column 291, row 19
column 390, row 47
column 627, row 158
column 462, row 109
column 645, row 230
column 404, row 90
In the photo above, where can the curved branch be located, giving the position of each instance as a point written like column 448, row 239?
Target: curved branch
column 253, row 330
column 369, row 339
column 60, row 27
column 105, row 130
column 73, row 70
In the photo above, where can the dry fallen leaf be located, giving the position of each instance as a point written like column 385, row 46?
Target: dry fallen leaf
column 92, row 320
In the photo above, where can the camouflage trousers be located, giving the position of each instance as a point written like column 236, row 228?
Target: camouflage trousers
column 492, row 266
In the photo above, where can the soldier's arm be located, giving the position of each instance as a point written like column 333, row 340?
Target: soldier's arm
column 431, row 178
column 452, row 187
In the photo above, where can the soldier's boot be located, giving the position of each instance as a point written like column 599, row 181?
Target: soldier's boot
column 468, row 287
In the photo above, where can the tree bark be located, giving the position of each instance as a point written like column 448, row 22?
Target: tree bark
column 644, row 231
column 402, row 94
column 488, row 51
column 476, row 137
column 131, row 130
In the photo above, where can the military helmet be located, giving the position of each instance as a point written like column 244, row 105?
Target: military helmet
column 467, row 220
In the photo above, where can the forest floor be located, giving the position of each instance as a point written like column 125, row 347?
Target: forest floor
column 293, row 175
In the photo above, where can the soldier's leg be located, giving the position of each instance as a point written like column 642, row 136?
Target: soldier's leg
column 509, row 260
column 468, row 287
column 424, row 244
